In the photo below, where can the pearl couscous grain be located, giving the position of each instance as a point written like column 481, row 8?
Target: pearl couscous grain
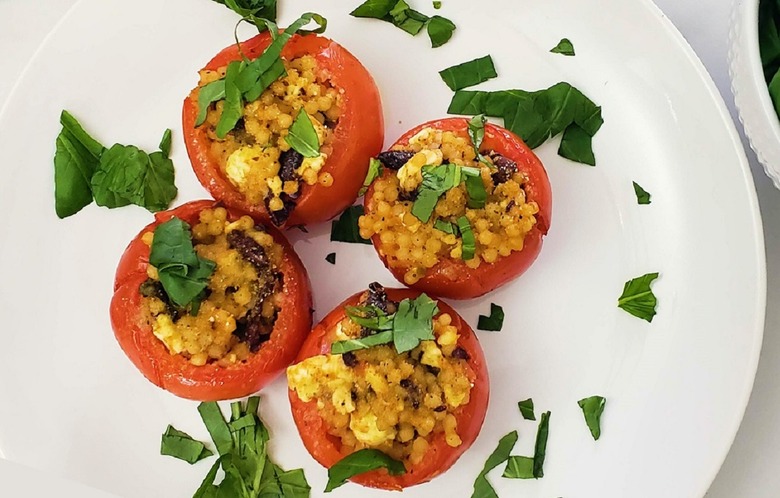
column 499, row 227
column 213, row 334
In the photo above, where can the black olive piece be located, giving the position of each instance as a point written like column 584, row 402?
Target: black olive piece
column 403, row 195
column 440, row 408
column 394, row 159
column 433, row 370
column 505, row 168
column 289, row 161
column 460, row 354
column 349, row 359
column 249, row 249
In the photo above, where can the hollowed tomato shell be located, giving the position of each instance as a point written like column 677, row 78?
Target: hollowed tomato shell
column 358, row 136
column 451, row 278
column 209, row 382
column 326, row 449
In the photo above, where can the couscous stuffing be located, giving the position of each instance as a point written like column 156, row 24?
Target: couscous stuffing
column 377, row 398
column 241, row 301
column 255, row 157
column 499, row 227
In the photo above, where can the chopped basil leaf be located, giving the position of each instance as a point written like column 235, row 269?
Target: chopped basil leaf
column 592, row 408
column 519, row 467
column 256, row 87
column 494, row 322
column 469, row 246
column 331, row 258
column 468, row 74
column 217, row 427
column 482, row 487
column 406, row 18
column 564, row 47
column 341, row 347
column 445, row 226
column 207, row 488
column 477, row 131
column 527, row 409
column 370, row 317
column 183, row 274
column 302, row 136
column 413, row 322
column 346, row 229
column 439, row 179
column 254, row 10
column 577, row 145
column 75, row 161
column 538, row 116
column 475, row 188
column 642, row 195
column 425, row 203
column 638, row 299
column 293, row 484
column 436, row 4
column 374, row 171
column 374, row 9
column 207, row 95
column 181, row 445
column 360, row 462
column 440, row 30
column 540, row 448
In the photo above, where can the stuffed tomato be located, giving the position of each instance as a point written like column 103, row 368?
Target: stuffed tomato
column 209, row 304
column 457, row 218
column 253, row 167
column 352, row 390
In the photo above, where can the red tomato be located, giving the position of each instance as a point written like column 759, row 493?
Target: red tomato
column 209, row 382
column 358, row 136
column 451, row 277
column 326, row 449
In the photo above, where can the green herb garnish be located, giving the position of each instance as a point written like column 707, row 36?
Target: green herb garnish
column 346, row 229
column 564, row 47
column 437, row 180
column 374, row 171
column 638, row 299
column 446, row 226
column 540, row 448
column 592, row 408
column 302, row 136
column 468, row 74
column 181, row 445
column 436, row 4
column 519, row 467
column 128, row 175
column 360, row 462
column 406, row 328
column 182, row 273
column 242, row 444
column 642, row 195
column 469, row 246
column 256, row 11
column 85, row 170
column 527, row 409
column 440, row 30
column 407, row 19
column 538, row 116
column 482, row 487
column 331, row 258
column 494, row 322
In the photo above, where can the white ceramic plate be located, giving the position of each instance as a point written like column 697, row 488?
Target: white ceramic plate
column 72, row 404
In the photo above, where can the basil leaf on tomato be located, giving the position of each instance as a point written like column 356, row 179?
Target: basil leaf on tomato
column 642, row 195
column 469, row 245
column 638, row 298
column 482, row 487
column 519, row 467
column 182, row 273
column 592, row 408
column 181, row 445
column 469, row 73
column 233, row 108
column 540, row 447
column 370, row 317
column 378, row 339
column 440, row 30
column 207, row 95
column 302, row 136
column 527, row 409
column 360, row 462
column 445, row 226
column 564, row 47
column 76, row 158
column 374, row 171
column 475, row 187
column 346, row 229
column 494, row 321
column 413, row 322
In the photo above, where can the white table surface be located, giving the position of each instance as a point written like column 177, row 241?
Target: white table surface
column 751, row 468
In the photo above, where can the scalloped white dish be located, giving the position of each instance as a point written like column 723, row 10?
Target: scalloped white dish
column 74, row 406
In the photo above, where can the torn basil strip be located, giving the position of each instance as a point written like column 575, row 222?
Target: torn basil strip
column 181, row 445
column 360, row 462
column 440, row 30
column 642, row 195
column 564, row 47
column 592, row 408
column 482, row 487
column 527, row 409
column 638, row 298
column 494, row 321
column 469, row 73
column 469, row 242
column 302, row 136
column 345, row 228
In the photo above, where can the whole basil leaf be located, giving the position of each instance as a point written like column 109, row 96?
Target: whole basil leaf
column 413, row 322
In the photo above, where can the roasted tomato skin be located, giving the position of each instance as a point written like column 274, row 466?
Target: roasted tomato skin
column 440, row 457
column 209, row 382
column 452, row 278
column 358, row 136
